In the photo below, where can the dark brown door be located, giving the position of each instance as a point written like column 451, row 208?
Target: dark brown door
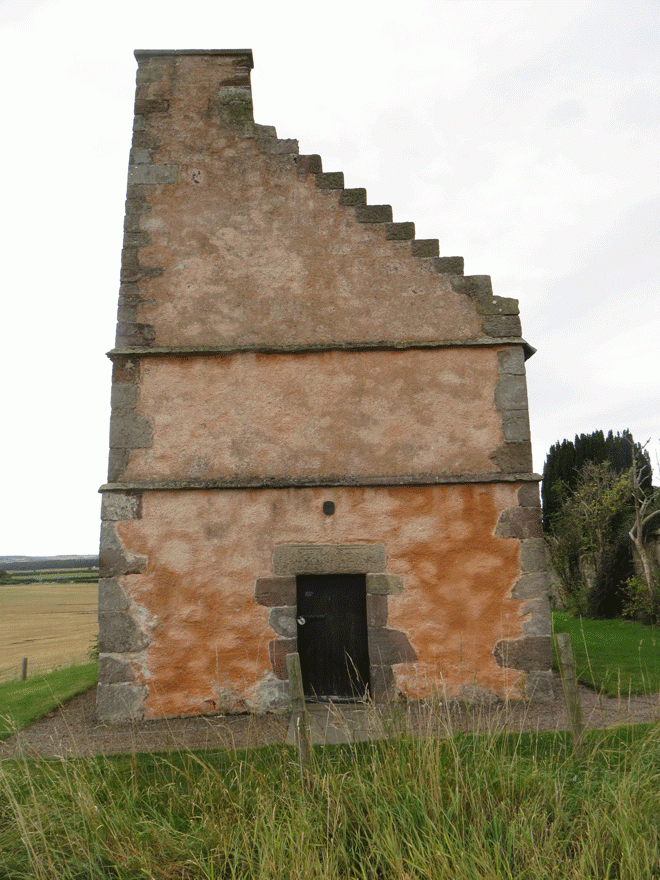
column 332, row 635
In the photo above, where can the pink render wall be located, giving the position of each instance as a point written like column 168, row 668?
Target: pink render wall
column 344, row 413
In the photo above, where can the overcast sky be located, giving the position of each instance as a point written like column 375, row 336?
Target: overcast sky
column 523, row 134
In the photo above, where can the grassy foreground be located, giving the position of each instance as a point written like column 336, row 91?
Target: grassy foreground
column 23, row 701
column 619, row 657
column 498, row 808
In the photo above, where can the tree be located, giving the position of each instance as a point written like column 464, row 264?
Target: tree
column 588, row 540
column 646, row 505
column 599, row 503
column 565, row 460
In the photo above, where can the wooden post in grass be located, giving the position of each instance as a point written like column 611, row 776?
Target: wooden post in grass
column 570, row 685
column 299, row 715
column 24, row 669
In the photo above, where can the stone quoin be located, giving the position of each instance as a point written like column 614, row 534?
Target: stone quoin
column 319, row 437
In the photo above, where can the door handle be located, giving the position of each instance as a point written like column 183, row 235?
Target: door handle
column 303, row 620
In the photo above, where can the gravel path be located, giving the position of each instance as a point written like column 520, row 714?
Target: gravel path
column 73, row 729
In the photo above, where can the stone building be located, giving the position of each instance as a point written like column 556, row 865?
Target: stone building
column 319, row 434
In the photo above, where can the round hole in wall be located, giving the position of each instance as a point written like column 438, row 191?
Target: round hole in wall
column 328, row 508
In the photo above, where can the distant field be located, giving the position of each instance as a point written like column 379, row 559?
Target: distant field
column 51, row 623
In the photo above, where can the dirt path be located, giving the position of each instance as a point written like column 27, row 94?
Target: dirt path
column 73, row 729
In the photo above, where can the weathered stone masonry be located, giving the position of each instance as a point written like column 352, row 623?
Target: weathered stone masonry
column 284, row 349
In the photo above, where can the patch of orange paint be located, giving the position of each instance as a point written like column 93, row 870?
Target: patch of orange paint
column 205, row 550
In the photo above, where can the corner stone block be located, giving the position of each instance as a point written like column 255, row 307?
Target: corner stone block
column 234, row 105
column 499, row 326
column 111, row 596
column 112, row 558
column 515, row 425
column 269, row 696
column 513, row 457
column 497, row 305
column 283, row 621
column 121, row 505
column 529, row 495
column 389, row 646
column 120, row 702
column 476, row 286
column 511, row 393
column 519, row 522
column 533, row 585
column 384, row 584
column 277, row 651
column 112, row 670
column 539, row 687
column 279, row 146
column 130, row 431
column 153, row 174
column 529, row 653
column 273, row 592
column 533, row 555
column 511, row 360
column 136, row 239
column 292, row 559
column 146, row 106
column 132, row 333
column 540, row 617
column 117, row 464
column 119, row 633
column 126, row 370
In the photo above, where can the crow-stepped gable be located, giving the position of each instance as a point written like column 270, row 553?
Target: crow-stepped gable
column 319, row 437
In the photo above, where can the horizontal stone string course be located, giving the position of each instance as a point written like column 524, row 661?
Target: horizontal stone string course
column 361, row 345
column 322, row 480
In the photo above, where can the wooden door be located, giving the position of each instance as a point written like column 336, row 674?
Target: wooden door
column 332, row 635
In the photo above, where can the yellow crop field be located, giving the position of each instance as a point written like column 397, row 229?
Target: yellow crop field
column 52, row 624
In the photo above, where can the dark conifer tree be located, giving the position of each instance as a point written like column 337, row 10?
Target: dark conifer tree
column 565, row 458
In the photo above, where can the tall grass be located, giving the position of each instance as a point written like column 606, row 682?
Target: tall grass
column 464, row 807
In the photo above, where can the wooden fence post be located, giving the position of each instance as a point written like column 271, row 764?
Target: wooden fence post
column 299, row 715
column 24, row 669
column 570, row 685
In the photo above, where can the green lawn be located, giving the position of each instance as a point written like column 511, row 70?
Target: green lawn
column 619, row 657
column 23, row 701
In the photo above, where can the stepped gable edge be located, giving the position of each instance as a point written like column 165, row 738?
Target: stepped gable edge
column 445, row 308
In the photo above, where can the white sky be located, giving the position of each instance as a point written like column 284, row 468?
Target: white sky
column 524, row 134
